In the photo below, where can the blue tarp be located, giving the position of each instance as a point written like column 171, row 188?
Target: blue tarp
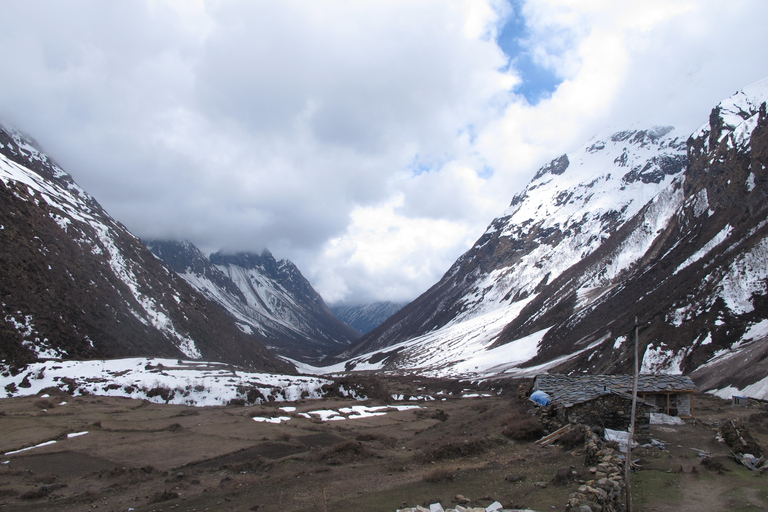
column 540, row 398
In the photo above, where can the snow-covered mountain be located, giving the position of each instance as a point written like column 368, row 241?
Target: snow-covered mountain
column 264, row 296
column 648, row 223
column 76, row 284
column 367, row 317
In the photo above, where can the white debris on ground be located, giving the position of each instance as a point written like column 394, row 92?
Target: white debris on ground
column 437, row 507
column 658, row 418
column 355, row 412
column 620, row 437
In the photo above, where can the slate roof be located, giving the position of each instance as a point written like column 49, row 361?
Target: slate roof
column 569, row 390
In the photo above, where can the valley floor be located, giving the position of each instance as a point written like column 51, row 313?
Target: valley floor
column 119, row 454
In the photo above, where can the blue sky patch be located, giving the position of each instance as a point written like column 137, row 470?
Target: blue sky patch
column 537, row 82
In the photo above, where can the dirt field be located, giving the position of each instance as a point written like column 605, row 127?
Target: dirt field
column 147, row 457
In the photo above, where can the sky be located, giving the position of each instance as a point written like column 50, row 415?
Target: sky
column 371, row 142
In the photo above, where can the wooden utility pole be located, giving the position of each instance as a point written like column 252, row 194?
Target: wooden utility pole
column 631, row 436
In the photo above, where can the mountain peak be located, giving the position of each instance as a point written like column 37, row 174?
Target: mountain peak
column 263, row 295
column 735, row 118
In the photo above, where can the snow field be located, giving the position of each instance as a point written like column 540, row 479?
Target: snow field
column 159, row 380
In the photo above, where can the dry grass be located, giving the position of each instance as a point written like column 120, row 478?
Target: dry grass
column 219, row 458
column 440, row 475
column 522, row 427
column 458, row 449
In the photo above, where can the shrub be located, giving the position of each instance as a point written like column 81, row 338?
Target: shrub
column 383, row 439
column 574, row 438
column 44, row 404
column 739, row 439
column 35, row 494
column 163, row 496
column 439, row 475
column 523, row 428
column 161, row 391
column 458, row 449
column 345, row 451
column 437, row 414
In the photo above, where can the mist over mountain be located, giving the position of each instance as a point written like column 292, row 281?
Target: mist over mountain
column 367, row 317
column 76, row 284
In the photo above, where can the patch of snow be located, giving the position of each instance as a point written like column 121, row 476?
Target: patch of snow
column 47, row 443
column 355, row 412
column 501, row 358
column 757, row 390
column 746, row 276
column 751, row 182
column 706, row 248
column 659, row 360
column 192, row 383
column 700, row 203
column 757, row 331
column 324, row 415
column 278, row 419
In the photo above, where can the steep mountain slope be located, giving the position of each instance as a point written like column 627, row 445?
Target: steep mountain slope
column 639, row 223
column 264, row 296
column 76, row 284
column 570, row 208
column 367, row 317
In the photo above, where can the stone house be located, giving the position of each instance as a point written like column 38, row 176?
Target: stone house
column 606, row 400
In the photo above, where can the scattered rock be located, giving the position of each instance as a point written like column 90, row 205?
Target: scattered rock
column 461, row 499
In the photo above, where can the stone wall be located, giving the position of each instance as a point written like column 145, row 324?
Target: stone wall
column 607, row 411
column 606, row 491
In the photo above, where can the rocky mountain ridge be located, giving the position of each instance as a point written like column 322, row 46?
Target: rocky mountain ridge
column 264, row 296
column 76, row 284
column 650, row 223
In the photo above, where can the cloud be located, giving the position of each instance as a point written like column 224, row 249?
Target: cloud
column 370, row 142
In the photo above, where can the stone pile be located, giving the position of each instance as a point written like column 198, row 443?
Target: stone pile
column 605, row 492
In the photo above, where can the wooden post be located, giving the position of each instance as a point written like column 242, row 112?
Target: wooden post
column 631, row 436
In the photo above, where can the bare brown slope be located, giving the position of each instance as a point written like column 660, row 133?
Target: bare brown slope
column 60, row 294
